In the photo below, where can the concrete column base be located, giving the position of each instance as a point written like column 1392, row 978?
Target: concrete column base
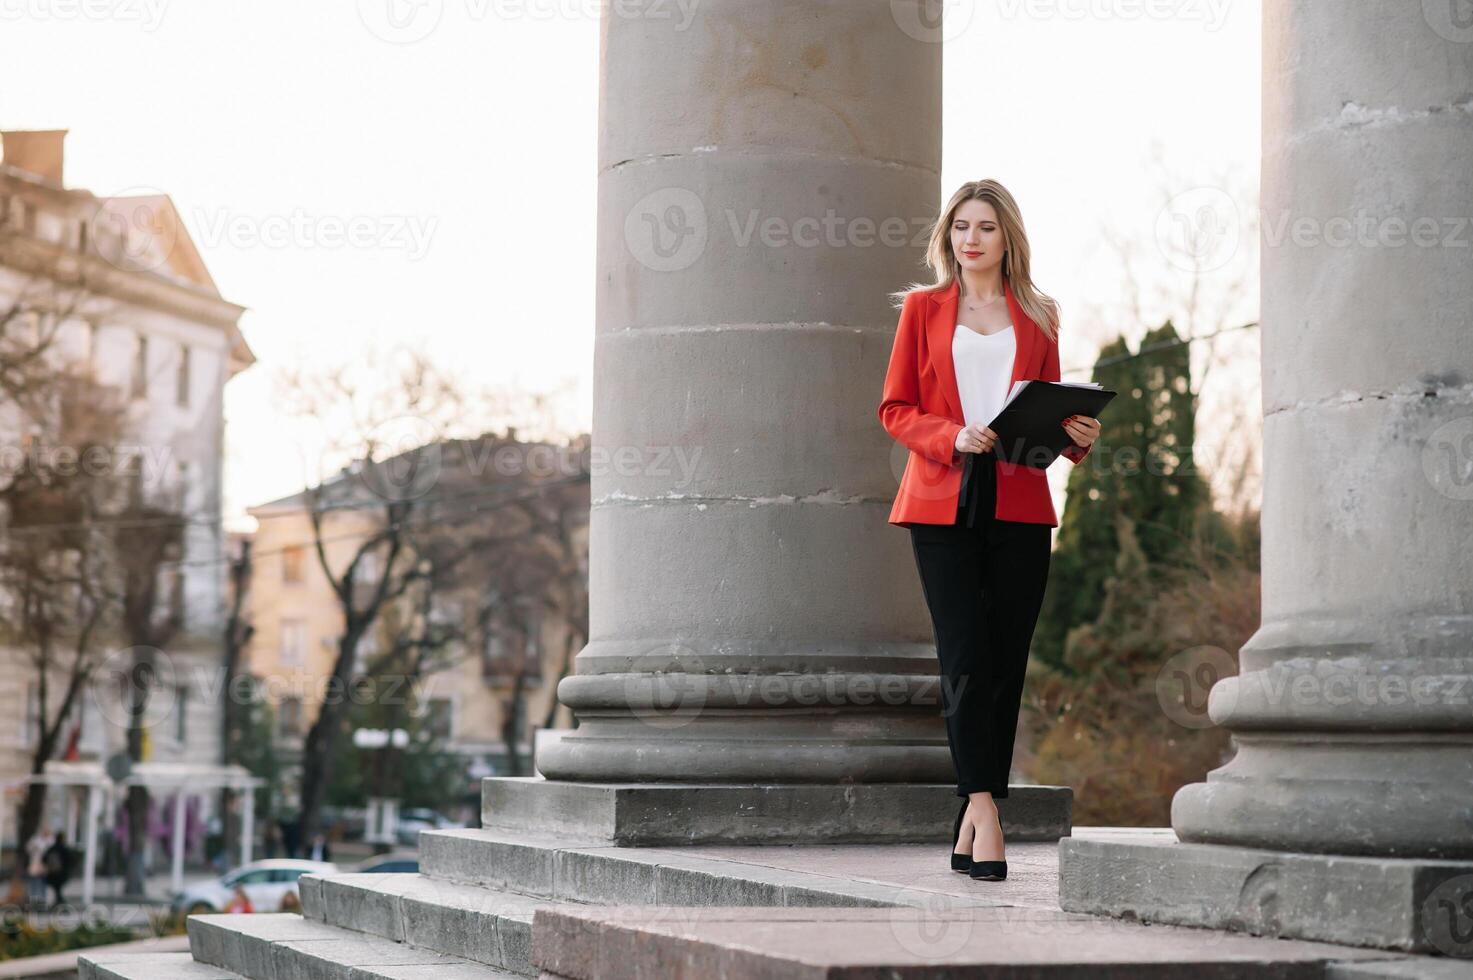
column 649, row 814
column 1406, row 904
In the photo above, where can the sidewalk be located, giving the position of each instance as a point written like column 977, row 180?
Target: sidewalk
column 110, row 905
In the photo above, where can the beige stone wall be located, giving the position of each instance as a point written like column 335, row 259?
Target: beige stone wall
column 305, row 614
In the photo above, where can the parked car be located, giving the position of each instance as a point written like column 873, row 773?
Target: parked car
column 389, row 864
column 265, row 883
column 411, row 822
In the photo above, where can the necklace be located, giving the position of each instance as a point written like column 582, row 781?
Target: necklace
column 982, row 306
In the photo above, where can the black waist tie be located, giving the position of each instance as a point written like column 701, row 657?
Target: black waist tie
column 978, row 477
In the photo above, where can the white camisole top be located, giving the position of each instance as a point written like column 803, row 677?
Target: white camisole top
column 984, row 371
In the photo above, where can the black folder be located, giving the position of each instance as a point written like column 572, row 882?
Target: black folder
column 1028, row 427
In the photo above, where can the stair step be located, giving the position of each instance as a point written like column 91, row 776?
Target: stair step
column 285, row 946
column 471, row 922
column 502, row 859
column 594, row 942
column 563, row 870
column 148, row 966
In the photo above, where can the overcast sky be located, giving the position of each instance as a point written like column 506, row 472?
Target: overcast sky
column 259, row 115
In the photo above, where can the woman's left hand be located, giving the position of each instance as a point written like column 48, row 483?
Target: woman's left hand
column 1082, row 429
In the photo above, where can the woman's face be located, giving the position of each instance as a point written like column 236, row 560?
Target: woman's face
column 976, row 237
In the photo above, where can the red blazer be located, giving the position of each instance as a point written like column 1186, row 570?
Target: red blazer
column 922, row 410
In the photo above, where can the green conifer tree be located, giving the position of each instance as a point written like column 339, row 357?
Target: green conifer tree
column 1142, row 469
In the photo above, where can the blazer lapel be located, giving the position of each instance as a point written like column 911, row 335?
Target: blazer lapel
column 940, row 328
column 1023, row 337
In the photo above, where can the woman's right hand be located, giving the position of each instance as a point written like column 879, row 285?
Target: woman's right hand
column 975, row 439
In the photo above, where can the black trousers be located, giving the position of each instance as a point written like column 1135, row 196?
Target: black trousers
column 983, row 580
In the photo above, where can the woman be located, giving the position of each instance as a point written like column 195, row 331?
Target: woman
column 981, row 544
column 239, row 902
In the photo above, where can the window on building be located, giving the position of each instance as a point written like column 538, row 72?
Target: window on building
column 289, row 718
column 31, row 717
column 91, row 741
column 135, row 482
column 181, row 380
column 447, row 610
column 175, row 579
column 27, row 325
column 292, row 557
column 140, row 368
column 535, row 623
column 494, row 655
column 439, row 718
column 293, row 642
column 363, row 651
column 512, row 646
column 181, row 483
column 181, row 713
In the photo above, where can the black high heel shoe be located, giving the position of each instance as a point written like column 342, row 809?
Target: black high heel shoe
column 959, row 862
column 989, row 870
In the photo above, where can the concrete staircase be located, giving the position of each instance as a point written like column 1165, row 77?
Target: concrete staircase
column 467, row 914
column 599, row 911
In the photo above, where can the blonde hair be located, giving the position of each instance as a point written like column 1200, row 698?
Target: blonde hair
column 1041, row 309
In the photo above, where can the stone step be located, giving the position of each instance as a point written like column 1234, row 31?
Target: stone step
column 565, row 870
column 594, row 942
column 148, row 966
column 1387, row 902
column 679, row 814
column 479, row 924
column 285, row 946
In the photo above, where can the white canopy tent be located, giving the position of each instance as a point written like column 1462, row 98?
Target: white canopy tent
column 185, row 780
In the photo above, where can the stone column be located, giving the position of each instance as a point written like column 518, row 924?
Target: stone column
column 1353, row 711
column 767, row 169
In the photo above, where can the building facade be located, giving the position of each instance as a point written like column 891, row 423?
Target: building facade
column 124, row 297
column 494, row 682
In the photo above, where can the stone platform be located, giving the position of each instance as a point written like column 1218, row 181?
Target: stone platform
column 489, row 905
column 1415, row 904
column 647, row 814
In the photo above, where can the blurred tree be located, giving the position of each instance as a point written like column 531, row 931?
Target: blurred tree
column 255, row 749
column 1141, row 468
column 56, row 598
column 1110, row 723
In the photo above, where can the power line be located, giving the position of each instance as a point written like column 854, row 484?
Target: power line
column 1154, row 348
column 357, row 505
column 521, row 493
column 216, row 521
